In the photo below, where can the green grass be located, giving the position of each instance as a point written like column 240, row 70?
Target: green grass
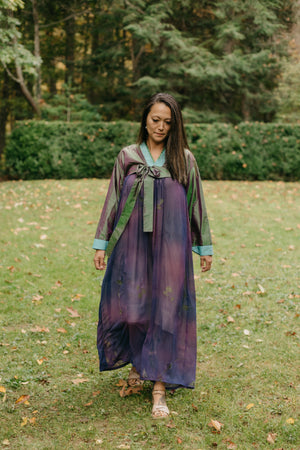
column 47, row 228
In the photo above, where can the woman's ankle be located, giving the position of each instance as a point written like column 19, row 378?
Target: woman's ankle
column 159, row 386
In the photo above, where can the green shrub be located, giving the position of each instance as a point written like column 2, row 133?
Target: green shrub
column 248, row 151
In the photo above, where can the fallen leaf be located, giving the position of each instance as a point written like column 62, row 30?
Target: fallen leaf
column 37, row 298
column 250, row 406
column 32, row 420
column 73, row 312
column 77, row 297
column 89, row 403
column 171, row 424
column 96, row 393
column 231, row 446
column 179, row 440
column 2, row 389
column 43, row 237
column 195, row 408
column 38, row 329
column 22, row 399
column 80, row 380
column 290, row 421
column 99, row 441
column 216, row 425
column 247, row 332
column 6, row 442
column 40, row 361
column 61, row 330
column 121, row 383
column 230, row 319
column 130, row 390
column 271, row 438
column 24, row 421
column 262, row 290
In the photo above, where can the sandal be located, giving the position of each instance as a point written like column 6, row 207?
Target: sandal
column 134, row 378
column 160, row 411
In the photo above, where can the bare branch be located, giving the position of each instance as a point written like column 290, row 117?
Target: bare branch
column 17, row 80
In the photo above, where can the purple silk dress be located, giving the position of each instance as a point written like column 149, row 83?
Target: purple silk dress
column 147, row 313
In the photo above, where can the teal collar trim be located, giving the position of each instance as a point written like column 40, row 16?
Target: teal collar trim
column 148, row 157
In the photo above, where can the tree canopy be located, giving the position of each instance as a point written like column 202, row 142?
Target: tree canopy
column 221, row 59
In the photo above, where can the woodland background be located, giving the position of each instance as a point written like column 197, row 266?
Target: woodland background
column 91, row 61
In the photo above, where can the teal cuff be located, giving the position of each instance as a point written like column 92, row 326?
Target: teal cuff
column 203, row 250
column 99, row 244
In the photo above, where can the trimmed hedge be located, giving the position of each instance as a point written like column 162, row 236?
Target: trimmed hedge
column 248, row 151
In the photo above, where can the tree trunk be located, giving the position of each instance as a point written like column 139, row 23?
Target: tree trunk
column 3, row 112
column 70, row 49
column 37, row 52
column 25, row 90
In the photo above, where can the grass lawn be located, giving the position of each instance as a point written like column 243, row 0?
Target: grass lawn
column 51, row 393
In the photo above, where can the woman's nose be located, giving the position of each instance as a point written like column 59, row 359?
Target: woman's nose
column 161, row 125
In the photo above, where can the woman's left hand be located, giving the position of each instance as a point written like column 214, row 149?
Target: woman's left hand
column 206, row 262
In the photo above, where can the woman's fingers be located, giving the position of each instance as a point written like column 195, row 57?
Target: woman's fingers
column 206, row 262
column 99, row 260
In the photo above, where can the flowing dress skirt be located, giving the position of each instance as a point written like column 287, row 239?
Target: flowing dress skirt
column 147, row 313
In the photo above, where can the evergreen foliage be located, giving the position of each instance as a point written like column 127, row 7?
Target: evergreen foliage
column 221, row 59
column 248, row 151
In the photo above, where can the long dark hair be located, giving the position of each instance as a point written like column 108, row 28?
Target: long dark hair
column 176, row 141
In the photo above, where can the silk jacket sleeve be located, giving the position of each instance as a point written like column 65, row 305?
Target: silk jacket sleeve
column 106, row 223
column 200, row 231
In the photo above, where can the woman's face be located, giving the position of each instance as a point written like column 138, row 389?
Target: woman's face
column 158, row 123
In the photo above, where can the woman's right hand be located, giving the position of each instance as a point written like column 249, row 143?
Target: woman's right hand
column 99, row 259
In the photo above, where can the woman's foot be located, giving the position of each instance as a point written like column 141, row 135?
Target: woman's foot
column 160, row 409
column 134, row 378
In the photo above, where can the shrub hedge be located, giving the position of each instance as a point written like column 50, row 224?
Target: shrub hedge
column 248, row 151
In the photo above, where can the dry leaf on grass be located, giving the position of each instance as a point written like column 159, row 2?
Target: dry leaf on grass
column 80, row 380
column 130, row 390
column 121, row 383
column 38, row 329
column 77, row 297
column 61, row 330
column 216, row 425
column 40, row 361
column 171, row 424
column 72, row 312
column 22, row 399
column 291, row 421
column 24, row 421
column 250, row 406
column 89, row 403
column 2, row 389
column 271, row 438
column 229, row 444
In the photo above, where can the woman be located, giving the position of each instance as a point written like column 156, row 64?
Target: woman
column 153, row 216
